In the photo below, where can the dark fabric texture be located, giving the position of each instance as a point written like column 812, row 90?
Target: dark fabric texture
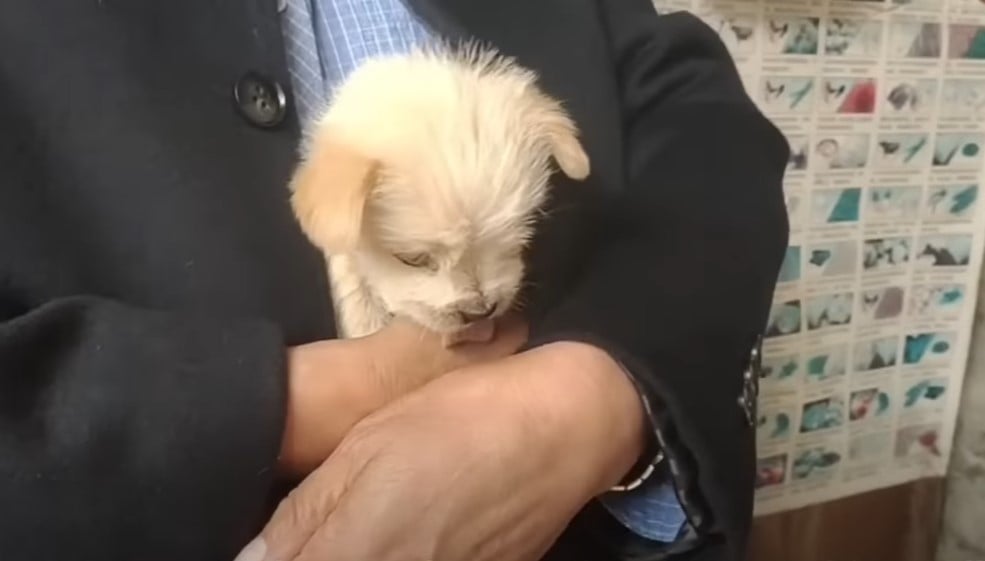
column 151, row 272
column 150, row 275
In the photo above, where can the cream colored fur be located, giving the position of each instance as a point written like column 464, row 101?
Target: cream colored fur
column 422, row 180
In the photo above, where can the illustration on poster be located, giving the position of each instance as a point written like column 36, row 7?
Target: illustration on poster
column 883, row 105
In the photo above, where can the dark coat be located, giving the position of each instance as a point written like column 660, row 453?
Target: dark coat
column 151, row 271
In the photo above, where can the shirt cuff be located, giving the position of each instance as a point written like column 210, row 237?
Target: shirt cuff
column 651, row 511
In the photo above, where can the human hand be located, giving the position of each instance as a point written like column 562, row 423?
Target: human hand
column 407, row 356
column 488, row 463
column 334, row 384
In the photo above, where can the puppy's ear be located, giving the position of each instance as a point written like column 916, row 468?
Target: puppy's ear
column 562, row 134
column 330, row 189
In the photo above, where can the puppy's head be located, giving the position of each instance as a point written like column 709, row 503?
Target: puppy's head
column 428, row 171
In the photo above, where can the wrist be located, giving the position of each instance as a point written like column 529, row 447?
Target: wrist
column 599, row 407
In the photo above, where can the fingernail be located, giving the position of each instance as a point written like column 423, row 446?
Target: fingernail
column 255, row 551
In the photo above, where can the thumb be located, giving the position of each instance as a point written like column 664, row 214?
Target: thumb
column 508, row 335
column 300, row 514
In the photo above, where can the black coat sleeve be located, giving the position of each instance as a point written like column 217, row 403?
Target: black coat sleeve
column 681, row 288
column 134, row 434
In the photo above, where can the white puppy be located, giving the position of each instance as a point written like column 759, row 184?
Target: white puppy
column 422, row 181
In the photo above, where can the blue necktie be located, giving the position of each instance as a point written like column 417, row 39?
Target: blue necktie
column 303, row 59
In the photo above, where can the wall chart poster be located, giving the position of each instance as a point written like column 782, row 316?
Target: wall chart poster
column 883, row 104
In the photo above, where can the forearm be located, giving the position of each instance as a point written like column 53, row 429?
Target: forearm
column 584, row 386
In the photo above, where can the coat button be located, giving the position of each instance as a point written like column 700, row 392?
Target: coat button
column 750, row 383
column 260, row 101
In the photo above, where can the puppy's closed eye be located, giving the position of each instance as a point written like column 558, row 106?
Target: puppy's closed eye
column 416, row 260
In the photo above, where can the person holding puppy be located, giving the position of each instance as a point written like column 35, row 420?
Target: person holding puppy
column 165, row 329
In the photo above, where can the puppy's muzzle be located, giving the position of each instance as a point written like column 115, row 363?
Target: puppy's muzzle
column 485, row 311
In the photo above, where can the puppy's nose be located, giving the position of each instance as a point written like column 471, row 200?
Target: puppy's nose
column 473, row 316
